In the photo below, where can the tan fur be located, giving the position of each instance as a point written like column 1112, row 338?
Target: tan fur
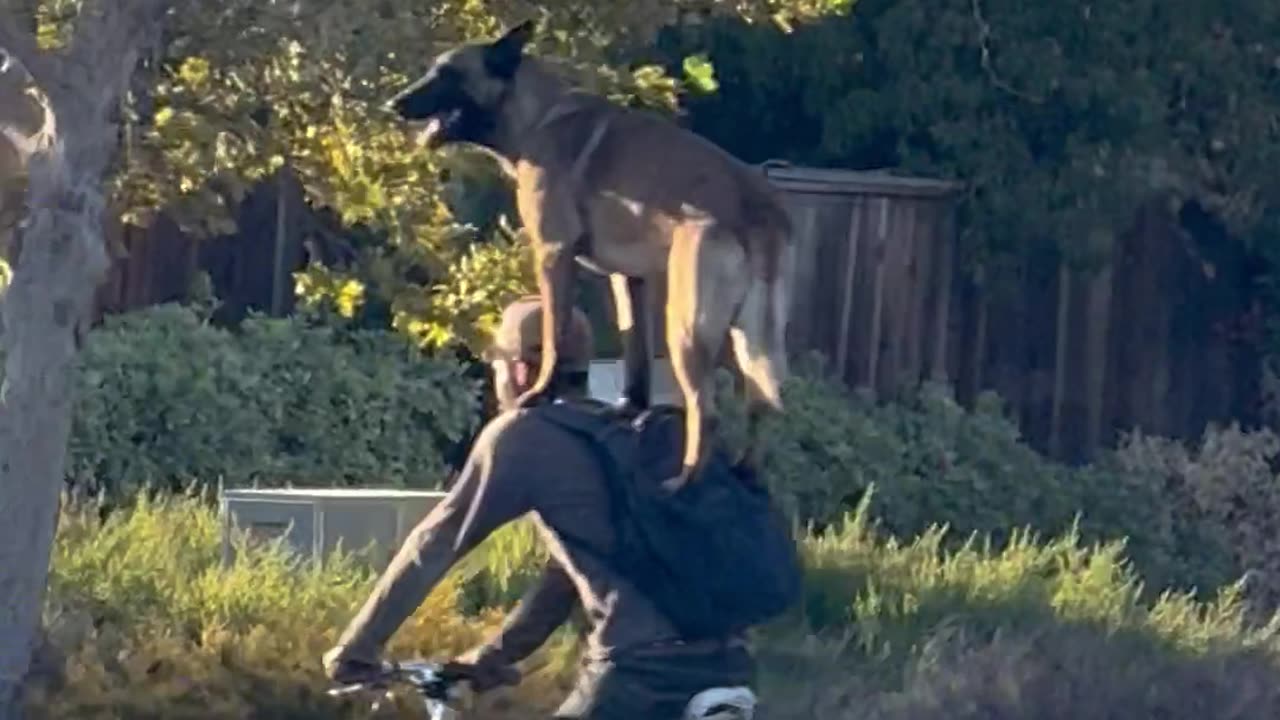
column 632, row 195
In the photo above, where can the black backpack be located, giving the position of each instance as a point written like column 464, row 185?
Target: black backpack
column 717, row 556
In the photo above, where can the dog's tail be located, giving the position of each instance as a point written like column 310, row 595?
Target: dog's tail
column 760, row 329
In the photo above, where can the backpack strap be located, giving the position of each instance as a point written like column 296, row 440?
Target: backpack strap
column 607, row 436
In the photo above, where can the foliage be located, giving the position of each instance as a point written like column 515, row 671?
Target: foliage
column 1062, row 119
column 1228, row 482
column 145, row 623
column 901, row 587
column 934, row 462
column 468, row 306
column 166, row 399
column 503, row 567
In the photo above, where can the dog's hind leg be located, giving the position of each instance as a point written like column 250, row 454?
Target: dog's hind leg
column 758, row 336
column 632, row 308
column 707, row 281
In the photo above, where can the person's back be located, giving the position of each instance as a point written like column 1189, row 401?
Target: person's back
column 635, row 664
column 560, row 479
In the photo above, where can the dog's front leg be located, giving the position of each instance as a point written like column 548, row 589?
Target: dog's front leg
column 554, row 269
column 632, row 308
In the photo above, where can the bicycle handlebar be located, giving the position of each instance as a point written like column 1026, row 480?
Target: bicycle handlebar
column 437, row 683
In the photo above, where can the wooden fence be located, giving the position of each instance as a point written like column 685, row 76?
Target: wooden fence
column 1158, row 339
column 250, row 269
column 872, row 273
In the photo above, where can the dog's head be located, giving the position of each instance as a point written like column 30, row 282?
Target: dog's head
column 460, row 97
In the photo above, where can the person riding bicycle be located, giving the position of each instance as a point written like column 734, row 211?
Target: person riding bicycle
column 636, row 664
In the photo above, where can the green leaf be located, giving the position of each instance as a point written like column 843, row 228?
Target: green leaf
column 700, row 74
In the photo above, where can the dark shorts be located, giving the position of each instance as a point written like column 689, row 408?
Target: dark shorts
column 654, row 683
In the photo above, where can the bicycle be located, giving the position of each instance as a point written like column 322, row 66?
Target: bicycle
column 436, row 683
column 438, row 686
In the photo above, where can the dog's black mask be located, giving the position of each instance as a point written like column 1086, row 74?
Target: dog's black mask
column 440, row 100
column 441, row 97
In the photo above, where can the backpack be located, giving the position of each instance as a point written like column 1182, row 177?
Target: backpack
column 717, row 556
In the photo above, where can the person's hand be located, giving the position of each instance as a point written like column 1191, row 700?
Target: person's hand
column 342, row 669
column 486, row 670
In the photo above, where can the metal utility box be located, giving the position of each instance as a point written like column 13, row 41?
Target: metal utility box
column 604, row 381
column 314, row 521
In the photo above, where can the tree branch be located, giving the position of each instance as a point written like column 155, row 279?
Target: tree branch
column 104, row 47
column 984, row 40
column 94, row 73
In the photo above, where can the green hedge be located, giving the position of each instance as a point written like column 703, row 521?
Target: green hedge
column 931, row 461
column 167, row 399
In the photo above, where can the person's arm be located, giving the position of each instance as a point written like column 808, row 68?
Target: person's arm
column 543, row 608
column 490, row 491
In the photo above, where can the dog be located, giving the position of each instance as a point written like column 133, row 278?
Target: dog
column 628, row 194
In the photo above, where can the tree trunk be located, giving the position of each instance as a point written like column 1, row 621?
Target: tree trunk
column 60, row 261
column 42, row 310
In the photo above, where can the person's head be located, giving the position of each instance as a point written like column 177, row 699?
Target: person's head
column 516, row 353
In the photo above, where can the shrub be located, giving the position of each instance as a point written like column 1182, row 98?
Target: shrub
column 145, row 623
column 934, row 462
column 166, row 399
column 1225, row 482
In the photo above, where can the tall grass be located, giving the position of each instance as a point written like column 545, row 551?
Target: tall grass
column 893, row 592
column 144, row 622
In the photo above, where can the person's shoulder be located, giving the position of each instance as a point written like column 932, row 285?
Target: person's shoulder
column 502, row 437
column 514, row 423
column 538, row 420
column 503, row 425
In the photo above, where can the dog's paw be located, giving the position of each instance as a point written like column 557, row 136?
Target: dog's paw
column 673, row 485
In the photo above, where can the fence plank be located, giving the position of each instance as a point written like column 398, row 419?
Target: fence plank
column 943, row 275
column 877, row 302
column 850, row 274
column 1061, row 335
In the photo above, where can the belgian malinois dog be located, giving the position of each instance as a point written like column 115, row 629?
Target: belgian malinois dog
column 629, row 194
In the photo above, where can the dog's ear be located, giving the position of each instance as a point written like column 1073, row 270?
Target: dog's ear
column 503, row 55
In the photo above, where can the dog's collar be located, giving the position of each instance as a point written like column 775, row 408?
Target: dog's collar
column 563, row 107
column 557, row 111
column 560, row 108
column 580, row 162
